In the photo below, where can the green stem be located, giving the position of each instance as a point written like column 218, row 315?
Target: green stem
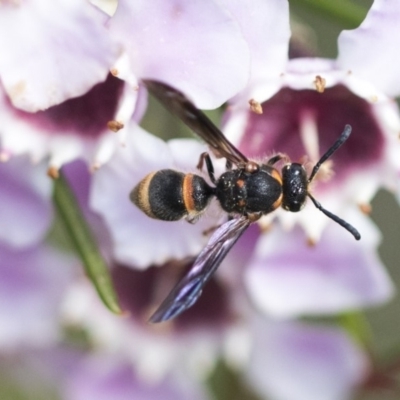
column 343, row 12
column 85, row 244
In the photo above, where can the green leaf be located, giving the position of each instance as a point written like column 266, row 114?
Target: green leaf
column 357, row 326
column 343, row 12
column 83, row 240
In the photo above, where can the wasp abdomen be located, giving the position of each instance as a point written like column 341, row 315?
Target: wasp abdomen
column 171, row 195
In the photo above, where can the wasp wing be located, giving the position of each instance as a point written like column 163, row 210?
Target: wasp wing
column 189, row 288
column 178, row 104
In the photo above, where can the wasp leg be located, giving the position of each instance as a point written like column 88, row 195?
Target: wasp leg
column 205, row 157
column 255, row 216
column 192, row 219
column 273, row 160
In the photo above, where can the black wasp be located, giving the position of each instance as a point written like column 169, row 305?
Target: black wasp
column 246, row 191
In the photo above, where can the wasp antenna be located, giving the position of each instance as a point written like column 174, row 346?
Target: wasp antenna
column 334, row 217
column 343, row 137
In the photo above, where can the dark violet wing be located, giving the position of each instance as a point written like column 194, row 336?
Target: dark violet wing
column 178, row 104
column 189, row 288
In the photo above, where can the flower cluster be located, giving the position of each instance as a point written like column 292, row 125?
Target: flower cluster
column 71, row 100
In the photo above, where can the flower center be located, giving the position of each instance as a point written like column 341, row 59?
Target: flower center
column 86, row 115
column 141, row 292
column 306, row 123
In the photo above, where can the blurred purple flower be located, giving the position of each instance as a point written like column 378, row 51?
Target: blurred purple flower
column 287, row 278
column 25, row 202
column 68, row 373
column 326, row 363
column 33, row 283
column 296, row 361
column 191, row 345
column 104, row 377
column 34, row 277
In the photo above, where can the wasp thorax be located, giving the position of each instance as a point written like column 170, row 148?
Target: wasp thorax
column 294, row 187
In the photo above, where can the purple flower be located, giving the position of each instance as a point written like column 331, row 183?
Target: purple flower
column 33, row 276
column 312, row 100
column 62, row 101
column 295, row 361
column 25, row 209
column 67, row 373
column 105, row 377
column 33, row 283
column 201, row 48
column 195, row 46
column 280, row 359
column 286, row 277
column 54, row 51
column 304, row 110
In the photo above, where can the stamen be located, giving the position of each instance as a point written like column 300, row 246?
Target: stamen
column 114, row 125
column 53, row 172
column 320, row 84
column 255, row 106
column 365, row 208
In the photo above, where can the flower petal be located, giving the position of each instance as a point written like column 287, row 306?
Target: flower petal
column 103, row 378
column 293, row 361
column 265, row 26
column 371, row 52
column 25, row 204
column 287, row 277
column 32, row 283
column 155, row 350
column 76, row 128
column 55, row 51
column 194, row 46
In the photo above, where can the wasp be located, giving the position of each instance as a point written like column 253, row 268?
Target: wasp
column 246, row 191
